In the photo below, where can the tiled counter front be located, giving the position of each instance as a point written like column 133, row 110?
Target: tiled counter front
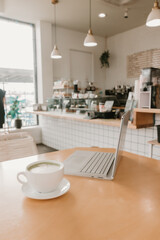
column 62, row 133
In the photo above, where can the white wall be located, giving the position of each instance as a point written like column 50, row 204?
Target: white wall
column 67, row 40
column 44, row 62
column 124, row 44
column 50, row 70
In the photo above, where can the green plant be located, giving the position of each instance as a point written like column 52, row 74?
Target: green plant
column 14, row 108
column 104, row 59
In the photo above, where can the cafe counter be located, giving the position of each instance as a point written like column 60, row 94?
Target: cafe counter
column 81, row 118
column 67, row 130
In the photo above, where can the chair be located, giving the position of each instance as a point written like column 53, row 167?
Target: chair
column 16, row 145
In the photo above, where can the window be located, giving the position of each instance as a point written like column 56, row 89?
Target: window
column 17, row 67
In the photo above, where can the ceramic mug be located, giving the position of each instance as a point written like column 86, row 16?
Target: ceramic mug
column 43, row 176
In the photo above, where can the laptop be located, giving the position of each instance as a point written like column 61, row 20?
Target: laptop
column 97, row 164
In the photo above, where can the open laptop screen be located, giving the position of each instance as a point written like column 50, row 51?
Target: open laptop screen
column 121, row 142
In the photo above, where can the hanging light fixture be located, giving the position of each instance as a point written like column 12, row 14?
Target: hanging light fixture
column 89, row 40
column 153, row 19
column 55, row 54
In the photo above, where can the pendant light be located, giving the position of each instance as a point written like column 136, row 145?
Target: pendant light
column 55, row 54
column 89, row 40
column 153, row 19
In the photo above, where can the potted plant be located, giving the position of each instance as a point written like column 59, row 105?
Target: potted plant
column 104, row 59
column 14, row 112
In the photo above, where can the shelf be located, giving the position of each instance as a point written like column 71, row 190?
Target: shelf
column 145, row 107
column 149, row 110
column 82, row 109
column 154, row 142
column 145, row 92
column 143, row 117
column 62, row 88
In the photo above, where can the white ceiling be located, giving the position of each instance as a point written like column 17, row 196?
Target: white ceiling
column 74, row 14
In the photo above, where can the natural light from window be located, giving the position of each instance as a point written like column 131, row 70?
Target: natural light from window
column 16, row 45
column 17, row 68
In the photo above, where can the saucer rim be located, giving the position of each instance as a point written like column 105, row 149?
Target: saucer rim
column 43, row 196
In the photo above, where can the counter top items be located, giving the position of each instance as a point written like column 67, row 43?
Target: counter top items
column 75, row 84
column 84, row 95
column 37, row 107
column 40, row 107
column 61, row 84
column 106, row 115
column 94, row 106
column 142, row 118
column 90, row 115
column 128, row 206
column 83, row 118
column 62, row 88
column 76, row 103
column 91, row 87
column 108, row 105
column 44, row 107
column 102, row 107
column 119, row 94
column 105, row 110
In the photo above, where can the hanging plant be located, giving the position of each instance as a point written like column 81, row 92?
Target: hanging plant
column 104, row 59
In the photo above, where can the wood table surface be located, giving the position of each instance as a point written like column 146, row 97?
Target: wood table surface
column 127, row 208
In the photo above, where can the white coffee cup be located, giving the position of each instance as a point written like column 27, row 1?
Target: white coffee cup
column 43, row 176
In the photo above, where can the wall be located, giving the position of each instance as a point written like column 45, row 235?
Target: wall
column 44, row 62
column 68, row 40
column 49, row 69
column 121, row 45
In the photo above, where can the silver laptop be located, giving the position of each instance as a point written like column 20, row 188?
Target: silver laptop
column 97, row 164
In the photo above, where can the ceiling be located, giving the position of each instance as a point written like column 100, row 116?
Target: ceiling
column 74, row 14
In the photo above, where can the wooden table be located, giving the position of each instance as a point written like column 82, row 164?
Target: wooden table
column 127, row 208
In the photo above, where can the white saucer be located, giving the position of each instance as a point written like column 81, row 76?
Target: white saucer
column 62, row 188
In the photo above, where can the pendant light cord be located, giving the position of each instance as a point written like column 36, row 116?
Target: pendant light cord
column 90, row 14
column 55, row 23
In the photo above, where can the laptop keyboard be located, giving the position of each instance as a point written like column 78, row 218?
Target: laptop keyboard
column 99, row 163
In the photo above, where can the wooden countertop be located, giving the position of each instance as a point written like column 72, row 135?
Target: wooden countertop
column 80, row 117
column 147, row 110
column 127, row 208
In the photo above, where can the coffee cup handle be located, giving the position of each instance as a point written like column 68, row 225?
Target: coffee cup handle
column 21, row 174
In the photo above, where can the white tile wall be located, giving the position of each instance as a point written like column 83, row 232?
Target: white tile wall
column 65, row 133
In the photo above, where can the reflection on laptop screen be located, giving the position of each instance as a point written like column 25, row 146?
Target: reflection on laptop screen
column 121, row 142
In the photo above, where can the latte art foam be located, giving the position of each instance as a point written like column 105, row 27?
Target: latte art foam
column 44, row 168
